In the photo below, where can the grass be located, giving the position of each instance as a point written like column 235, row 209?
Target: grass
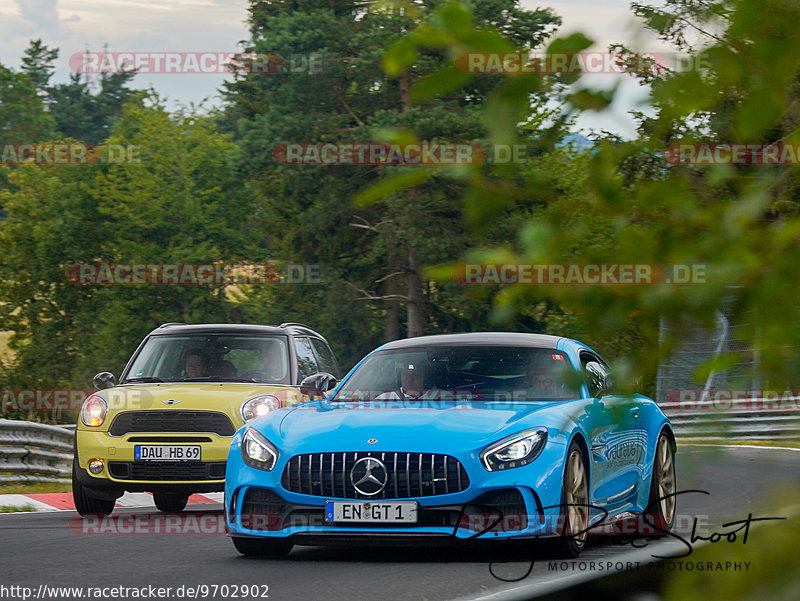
column 12, row 509
column 24, row 488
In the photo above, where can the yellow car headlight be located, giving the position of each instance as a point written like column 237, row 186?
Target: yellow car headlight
column 258, row 406
column 94, row 411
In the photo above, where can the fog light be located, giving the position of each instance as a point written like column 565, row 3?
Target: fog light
column 96, row 466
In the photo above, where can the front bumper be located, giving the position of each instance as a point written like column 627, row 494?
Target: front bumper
column 123, row 473
column 522, row 502
column 511, row 512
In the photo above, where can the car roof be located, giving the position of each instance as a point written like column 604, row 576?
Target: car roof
column 478, row 338
column 233, row 328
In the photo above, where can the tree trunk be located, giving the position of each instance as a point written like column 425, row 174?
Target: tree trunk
column 391, row 324
column 415, row 326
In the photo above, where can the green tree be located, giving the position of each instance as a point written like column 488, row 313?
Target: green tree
column 372, row 256
column 37, row 63
column 23, row 118
column 182, row 203
column 716, row 216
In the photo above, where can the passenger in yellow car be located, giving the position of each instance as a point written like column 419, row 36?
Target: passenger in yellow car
column 272, row 366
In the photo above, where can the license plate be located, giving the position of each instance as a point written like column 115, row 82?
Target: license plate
column 165, row 452
column 374, row 512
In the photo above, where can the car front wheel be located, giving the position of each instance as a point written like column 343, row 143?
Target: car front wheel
column 84, row 503
column 574, row 504
column 660, row 510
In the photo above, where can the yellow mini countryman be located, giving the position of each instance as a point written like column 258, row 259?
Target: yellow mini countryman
column 166, row 426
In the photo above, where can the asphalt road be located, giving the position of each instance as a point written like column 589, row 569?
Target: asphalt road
column 48, row 548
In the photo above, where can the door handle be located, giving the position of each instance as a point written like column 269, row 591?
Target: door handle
column 635, row 412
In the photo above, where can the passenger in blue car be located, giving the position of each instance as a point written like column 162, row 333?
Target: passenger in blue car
column 545, row 377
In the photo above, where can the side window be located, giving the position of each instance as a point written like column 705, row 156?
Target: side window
column 325, row 357
column 595, row 372
column 306, row 362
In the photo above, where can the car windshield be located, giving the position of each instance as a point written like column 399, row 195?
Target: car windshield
column 491, row 373
column 206, row 358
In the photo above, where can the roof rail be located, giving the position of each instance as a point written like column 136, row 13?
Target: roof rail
column 172, row 323
column 289, row 324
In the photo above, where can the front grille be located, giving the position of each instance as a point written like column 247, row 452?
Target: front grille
column 262, row 509
column 409, row 475
column 167, row 470
column 497, row 511
column 172, row 421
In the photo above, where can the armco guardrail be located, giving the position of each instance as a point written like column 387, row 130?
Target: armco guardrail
column 744, row 419
column 31, row 452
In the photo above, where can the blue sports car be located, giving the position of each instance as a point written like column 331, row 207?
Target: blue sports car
column 454, row 437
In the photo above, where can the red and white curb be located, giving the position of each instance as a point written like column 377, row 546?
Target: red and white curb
column 62, row 501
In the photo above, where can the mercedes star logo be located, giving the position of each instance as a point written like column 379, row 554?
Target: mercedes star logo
column 171, row 402
column 369, row 476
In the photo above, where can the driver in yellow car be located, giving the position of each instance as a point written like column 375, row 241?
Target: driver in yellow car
column 196, row 364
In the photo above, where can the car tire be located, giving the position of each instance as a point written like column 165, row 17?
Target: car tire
column 84, row 503
column 259, row 547
column 574, row 504
column 170, row 502
column 660, row 509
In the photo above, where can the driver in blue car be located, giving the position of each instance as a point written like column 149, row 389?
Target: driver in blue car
column 412, row 384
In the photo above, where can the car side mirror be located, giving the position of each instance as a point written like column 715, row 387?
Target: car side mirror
column 596, row 379
column 317, row 385
column 103, row 380
column 607, row 389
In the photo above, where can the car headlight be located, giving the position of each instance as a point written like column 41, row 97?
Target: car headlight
column 257, row 451
column 514, row 451
column 258, row 406
column 94, row 411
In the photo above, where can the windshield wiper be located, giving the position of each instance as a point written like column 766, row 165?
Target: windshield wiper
column 218, row 379
column 142, row 379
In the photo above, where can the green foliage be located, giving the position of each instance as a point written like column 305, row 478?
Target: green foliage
column 23, row 118
column 629, row 210
column 88, row 116
column 212, row 188
column 371, row 254
column 37, row 63
column 183, row 203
